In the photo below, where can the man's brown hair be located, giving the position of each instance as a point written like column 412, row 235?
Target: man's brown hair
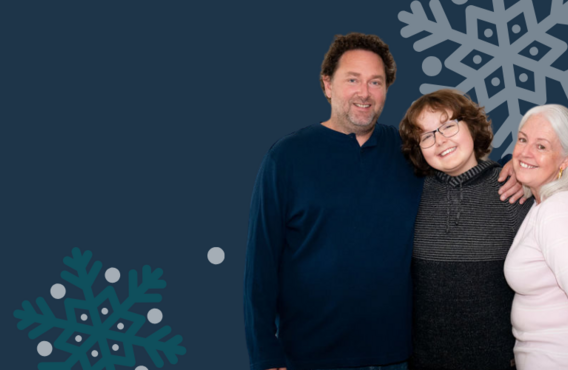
column 462, row 108
column 357, row 41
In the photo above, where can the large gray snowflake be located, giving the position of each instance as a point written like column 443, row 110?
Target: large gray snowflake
column 505, row 55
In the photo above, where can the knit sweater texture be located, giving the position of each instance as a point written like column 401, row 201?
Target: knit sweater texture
column 327, row 276
column 462, row 303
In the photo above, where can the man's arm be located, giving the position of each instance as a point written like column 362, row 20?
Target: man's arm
column 264, row 247
column 512, row 188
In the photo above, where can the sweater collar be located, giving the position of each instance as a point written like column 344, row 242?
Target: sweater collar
column 470, row 175
column 340, row 136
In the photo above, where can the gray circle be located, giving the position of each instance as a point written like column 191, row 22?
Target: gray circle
column 432, row 66
column 112, row 275
column 115, row 347
column 78, row 338
column 104, row 311
column 495, row 81
column 155, row 316
column 516, row 28
column 523, row 77
column 141, row 368
column 477, row 59
column 534, row 51
column 95, row 353
column 459, row 2
column 84, row 317
column 44, row 348
column 120, row 326
column 488, row 32
column 57, row 291
column 216, row 255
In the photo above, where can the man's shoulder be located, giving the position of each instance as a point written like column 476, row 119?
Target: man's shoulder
column 294, row 141
column 387, row 128
column 387, row 132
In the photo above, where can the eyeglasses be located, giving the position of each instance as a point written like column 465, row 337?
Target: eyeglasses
column 448, row 129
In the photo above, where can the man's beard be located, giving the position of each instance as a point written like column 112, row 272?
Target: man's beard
column 348, row 119
column 363, row 122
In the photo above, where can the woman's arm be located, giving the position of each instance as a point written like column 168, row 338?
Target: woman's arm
column 552, row 235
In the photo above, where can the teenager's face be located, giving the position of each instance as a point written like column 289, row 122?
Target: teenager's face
column 452, row 155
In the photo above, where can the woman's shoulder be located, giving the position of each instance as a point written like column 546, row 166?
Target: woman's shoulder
column 561, row 196
column 553, row 206
column 558, row 200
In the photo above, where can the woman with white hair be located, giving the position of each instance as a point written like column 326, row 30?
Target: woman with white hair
column 536, row 267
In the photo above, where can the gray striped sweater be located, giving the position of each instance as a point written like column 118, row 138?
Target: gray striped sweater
column 462, row 303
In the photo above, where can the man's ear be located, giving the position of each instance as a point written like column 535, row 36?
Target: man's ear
column 327, row 84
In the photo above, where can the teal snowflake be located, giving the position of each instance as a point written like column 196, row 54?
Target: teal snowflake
column 102, row 329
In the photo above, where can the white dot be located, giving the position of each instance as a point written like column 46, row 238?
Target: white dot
column 57, row 291
column 44, row 348
column 84, row 317
column 516, row 28
column 216, row 255
column 94, row 353
column 432, row 66
column 115, row 347
column 523, row 77
column 112, row 275
column 141, row 368
column 78, row 338
column 477, row 59
column 155, row 316
column 104, row 311
column 534, row 51
column 459, row 2
column 120, row 326
column 495, row 81
column 488, row 32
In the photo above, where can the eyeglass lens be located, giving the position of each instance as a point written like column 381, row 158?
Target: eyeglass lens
column 448, row 129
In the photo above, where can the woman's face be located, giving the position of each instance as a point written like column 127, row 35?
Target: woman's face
column 452, row 155
column 538, row 154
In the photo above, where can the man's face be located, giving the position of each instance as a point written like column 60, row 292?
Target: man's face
column 357, row 90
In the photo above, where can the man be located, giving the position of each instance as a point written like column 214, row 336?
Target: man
column 327, row 281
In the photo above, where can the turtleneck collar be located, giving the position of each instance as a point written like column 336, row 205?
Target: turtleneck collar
column 458, row 182
column 470, row 175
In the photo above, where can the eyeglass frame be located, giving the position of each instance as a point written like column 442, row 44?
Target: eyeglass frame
column 456, row 120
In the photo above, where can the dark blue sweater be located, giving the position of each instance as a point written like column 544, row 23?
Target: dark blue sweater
column 329, row 248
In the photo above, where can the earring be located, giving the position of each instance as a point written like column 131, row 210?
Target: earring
column 559, row 174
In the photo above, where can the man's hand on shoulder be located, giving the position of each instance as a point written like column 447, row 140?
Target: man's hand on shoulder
column 512, row 188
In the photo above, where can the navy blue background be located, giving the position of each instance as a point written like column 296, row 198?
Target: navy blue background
column 135, row 130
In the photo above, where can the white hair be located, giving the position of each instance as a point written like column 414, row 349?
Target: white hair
column 557, row 116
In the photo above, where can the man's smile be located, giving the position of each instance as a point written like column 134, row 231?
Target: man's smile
column 363, row 105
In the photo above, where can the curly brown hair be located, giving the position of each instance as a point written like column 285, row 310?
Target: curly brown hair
column 357, row 41
column 461, row 108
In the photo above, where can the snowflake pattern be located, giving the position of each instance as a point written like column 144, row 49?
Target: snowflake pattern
column 101, row 330
column 505, row 55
